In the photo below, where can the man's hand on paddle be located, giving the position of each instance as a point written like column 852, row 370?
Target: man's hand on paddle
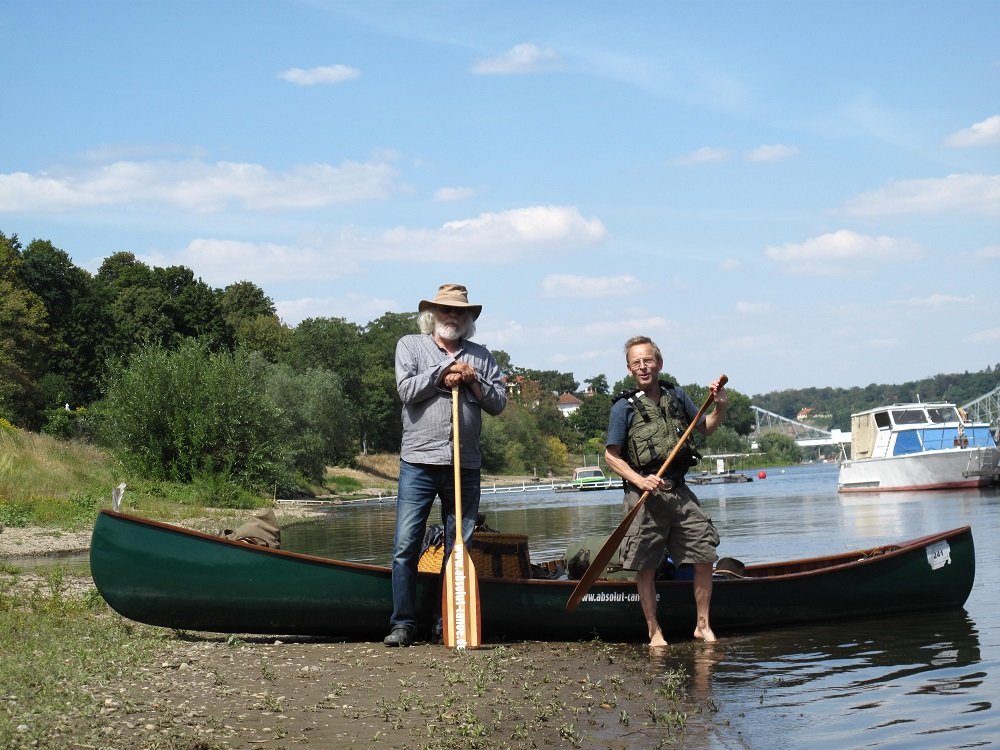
column 459, row 373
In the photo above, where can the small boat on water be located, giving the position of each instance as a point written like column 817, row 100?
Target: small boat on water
column 711, row 477
column 165, row 575
column 921, row 446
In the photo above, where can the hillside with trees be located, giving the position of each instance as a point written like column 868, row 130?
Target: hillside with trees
column 182, row 381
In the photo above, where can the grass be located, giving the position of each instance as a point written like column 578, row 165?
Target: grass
column 45, row 481
column 56, row 644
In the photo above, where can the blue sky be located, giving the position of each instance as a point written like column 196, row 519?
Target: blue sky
column 794, row 193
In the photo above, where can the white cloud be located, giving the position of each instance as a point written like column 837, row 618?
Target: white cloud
column 990, row 251
column 989, row 336
column 199, row 186
column 984, row 133
column 704, row 155
column 965, row 193
column 314, row 76
column 589, row 287
column 731, row 264
column 454, row 194
column 357, row 308
column 838, row 252
column 221, row 262
column 752, row 308
column 933, row 300
column 495, row 237
column 519, row 59
column 773, row 152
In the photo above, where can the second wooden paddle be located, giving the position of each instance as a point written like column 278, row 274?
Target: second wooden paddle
column 600, row 561
column 461, row 626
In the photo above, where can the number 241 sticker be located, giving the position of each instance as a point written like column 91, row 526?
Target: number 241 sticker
column 938, row 554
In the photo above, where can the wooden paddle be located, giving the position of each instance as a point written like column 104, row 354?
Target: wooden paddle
column 601, row 559
column 460, row 613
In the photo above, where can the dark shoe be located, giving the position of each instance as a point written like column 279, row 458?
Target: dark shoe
column 437, row 634
column 399, row 637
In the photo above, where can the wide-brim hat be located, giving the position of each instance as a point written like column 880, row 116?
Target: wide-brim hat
column 452, row 295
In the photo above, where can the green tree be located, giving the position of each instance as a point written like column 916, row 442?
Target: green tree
column 780, row 449
column 74, row 329
column 189, row 413
column 599, row 384
column 550, row 380
column 315, row 421
column 591, row 419
column 24, row 341
column 266, row 335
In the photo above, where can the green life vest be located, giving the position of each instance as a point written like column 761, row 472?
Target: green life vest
column 654, row 431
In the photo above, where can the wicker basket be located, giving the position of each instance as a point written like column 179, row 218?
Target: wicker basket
column 494, row 554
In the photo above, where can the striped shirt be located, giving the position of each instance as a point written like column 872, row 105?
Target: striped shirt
column 427, row 431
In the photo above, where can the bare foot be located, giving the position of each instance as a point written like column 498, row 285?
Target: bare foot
column 657, row 641
column 704, row 631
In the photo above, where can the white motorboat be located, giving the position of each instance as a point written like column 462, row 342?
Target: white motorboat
column 918, row 447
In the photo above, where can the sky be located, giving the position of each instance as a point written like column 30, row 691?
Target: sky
column 795, row 194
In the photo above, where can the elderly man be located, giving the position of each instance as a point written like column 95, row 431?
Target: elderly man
column 428, row 366
column 643, row 428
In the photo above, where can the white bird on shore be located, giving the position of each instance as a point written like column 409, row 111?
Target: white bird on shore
column 116, row 497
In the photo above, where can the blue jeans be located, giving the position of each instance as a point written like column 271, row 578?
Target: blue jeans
column 419, row 484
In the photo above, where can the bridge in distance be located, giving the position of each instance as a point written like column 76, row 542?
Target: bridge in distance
column 986, row 408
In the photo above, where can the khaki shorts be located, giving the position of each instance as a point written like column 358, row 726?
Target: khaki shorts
column 668, row 522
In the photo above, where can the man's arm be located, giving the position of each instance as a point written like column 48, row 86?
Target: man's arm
column 718, row 415
column 417, row 376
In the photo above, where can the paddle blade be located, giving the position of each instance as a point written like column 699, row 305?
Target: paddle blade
column 460, row 613
column 603, row 556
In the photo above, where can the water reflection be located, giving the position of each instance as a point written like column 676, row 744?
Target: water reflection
column 890, row 681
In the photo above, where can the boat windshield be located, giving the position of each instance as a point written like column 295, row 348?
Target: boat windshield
column 940, row 438
column 909, row 416
column 941, row 414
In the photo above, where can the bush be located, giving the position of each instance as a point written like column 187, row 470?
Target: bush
column 177, row 415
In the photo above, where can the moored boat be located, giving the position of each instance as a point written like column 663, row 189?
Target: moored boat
column 173, row 577
column 919, row 446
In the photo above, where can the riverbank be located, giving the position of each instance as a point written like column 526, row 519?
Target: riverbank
column 75, row 674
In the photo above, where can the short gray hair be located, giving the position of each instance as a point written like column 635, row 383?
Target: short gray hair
column 639, row 341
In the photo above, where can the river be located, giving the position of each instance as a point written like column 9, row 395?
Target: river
column 916, row 681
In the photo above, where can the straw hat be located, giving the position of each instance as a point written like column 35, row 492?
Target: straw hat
column 452, row 295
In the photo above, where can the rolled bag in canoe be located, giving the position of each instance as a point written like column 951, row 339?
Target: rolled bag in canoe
column 165, row 575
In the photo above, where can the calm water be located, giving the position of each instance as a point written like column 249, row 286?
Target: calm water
column 919, row 681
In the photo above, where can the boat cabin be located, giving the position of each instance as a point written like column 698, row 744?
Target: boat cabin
column 902, row 429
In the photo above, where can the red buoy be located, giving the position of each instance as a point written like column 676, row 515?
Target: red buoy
column 762, row 474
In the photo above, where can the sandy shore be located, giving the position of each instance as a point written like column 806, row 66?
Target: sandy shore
column 31, row 541
column 223, row 692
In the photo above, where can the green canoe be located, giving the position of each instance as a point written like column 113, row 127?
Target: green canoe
column 165, row 575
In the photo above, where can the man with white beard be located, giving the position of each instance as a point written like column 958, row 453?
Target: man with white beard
column 428, row 366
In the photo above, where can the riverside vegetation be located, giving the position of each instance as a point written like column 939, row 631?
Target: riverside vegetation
column 75, row 674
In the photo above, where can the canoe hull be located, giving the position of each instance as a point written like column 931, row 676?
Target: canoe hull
column 171, row 577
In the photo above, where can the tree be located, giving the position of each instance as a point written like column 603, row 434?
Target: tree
column 24, row 341
column 599, row 384
column 193, row 305
column 74, row 327
column 591, row 419
column 185, row 414
column 243, row 305
column 780, row 449
column 550, row 380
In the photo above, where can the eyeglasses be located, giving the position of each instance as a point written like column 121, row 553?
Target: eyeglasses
column 458, row 312
column 639, row 364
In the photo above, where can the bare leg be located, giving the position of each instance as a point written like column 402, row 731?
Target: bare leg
column 646, row 583
column 702, row 600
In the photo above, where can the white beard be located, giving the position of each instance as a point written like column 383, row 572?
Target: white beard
column 448, row 332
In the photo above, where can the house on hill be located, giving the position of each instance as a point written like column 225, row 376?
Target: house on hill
column 568, row 403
